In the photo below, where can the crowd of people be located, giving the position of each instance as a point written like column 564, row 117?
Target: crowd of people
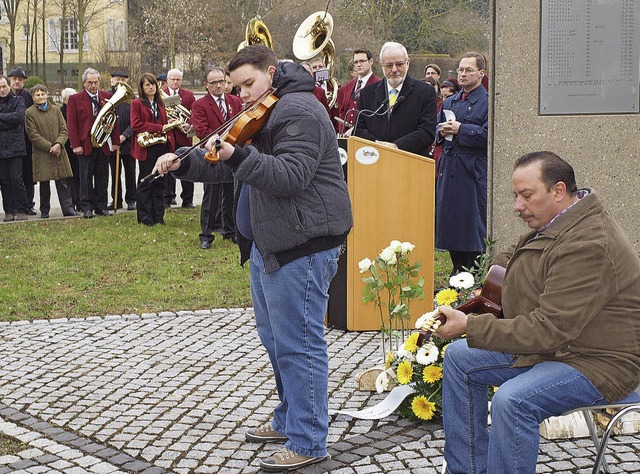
column 284, row 200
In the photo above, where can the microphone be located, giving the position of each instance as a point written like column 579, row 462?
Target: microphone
column 370, row 113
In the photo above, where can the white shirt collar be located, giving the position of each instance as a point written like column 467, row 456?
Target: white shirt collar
column 389, row 88
column 365, row 79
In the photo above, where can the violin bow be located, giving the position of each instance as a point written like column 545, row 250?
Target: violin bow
column 221, row 130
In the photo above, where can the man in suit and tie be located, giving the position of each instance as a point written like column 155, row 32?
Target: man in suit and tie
column 349, row 94
column 208, row 114
column 174, row 87
column 93, row 163
column 400, row 111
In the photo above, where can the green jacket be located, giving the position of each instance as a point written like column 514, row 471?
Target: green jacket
column 44, row 128
column 571, row 294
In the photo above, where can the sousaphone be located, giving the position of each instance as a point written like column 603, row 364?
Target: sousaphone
column 313, row 38
column 256, row 32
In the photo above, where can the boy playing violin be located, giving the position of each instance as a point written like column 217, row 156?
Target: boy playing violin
column 292, row 214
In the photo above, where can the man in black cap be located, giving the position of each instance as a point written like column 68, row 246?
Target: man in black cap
column 162, row 80
column 126, row 160
column 17, row 78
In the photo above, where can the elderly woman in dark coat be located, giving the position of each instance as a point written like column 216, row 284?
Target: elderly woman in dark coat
column 47, row 131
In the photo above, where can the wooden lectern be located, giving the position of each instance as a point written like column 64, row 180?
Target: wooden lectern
column 393, row 198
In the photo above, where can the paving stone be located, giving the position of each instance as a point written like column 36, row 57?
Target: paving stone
column 174, row 392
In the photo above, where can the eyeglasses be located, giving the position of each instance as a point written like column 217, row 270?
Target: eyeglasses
column 398, row 65
column 466, row 70
column 216, row 83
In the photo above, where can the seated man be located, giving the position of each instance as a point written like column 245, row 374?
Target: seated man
column 569, row 337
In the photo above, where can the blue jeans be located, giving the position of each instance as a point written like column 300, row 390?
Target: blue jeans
column 290, row 305
column 526, row 397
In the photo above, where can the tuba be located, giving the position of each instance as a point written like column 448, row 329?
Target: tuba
column 256, row 33
column 106, row 118
column 313, row 37
column 175, row 109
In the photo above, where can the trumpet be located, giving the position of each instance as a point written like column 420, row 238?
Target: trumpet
column 147, row 139
column 106, row 118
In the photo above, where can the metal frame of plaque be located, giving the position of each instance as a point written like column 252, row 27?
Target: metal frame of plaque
column 589, row 57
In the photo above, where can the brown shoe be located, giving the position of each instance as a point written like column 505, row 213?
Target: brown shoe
column 21, row 217
column 264, row 434
column 285, row 460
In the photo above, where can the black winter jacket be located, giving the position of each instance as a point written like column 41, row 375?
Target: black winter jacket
column 298, row 199
column 12, row 142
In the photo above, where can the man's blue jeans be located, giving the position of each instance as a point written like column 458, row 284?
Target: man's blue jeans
column 290, row 305
column 526, row 397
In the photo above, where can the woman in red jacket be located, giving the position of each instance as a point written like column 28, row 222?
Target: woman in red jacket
column 149, row 115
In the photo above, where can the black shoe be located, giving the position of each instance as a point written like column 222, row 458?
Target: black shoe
column 131, row 207
column 87, row 214
column 205, row 244
column 231, row 237
column 189, row 205
column 104, row 213
column 71, row 213
column 44, row 215
column 173, row 202
column 32, row 212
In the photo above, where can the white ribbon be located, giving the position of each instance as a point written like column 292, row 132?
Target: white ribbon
column 383, row 409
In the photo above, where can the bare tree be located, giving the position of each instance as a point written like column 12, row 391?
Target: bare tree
column 11, row 7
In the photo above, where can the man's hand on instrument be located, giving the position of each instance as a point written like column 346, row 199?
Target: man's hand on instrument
column 186, row 128
column 166, row 163
column 115, row 147
column 456, row 324
column 224, row 149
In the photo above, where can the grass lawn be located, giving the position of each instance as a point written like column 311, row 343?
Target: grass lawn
column 100, row 266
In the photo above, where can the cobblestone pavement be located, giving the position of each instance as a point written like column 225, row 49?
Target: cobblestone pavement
column 172, row 392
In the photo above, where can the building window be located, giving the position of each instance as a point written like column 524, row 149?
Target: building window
column 116, row 35
column 70, row 39
column 3, row 14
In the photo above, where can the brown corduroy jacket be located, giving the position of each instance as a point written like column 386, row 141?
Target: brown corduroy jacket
column 571, row 294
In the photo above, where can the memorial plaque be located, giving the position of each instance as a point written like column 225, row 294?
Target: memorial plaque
column 589, row 57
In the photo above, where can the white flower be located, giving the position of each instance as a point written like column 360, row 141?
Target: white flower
column 364, row 265
column 396, row 245
column 382, row 382
column 462, row 281
column 388, row 256
column 427, row 354
column 406, row 247
column 426, row 319
column 405, row 354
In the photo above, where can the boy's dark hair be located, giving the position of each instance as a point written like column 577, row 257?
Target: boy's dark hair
column 257, row 55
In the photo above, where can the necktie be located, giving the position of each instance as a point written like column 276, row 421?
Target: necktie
column 393, row 96
column 356, row 93
column 154, row 110
column 96, row 105
column 464, row 96
column 223, row 111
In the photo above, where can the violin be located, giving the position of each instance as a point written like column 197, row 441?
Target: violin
column 248, row 124
column 238, row 130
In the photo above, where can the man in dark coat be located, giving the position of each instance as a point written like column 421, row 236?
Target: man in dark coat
column 12, row 152
column 17, row 78
column 461, row 190
column 400, row 111
column 127, row 161
column 208, row 114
